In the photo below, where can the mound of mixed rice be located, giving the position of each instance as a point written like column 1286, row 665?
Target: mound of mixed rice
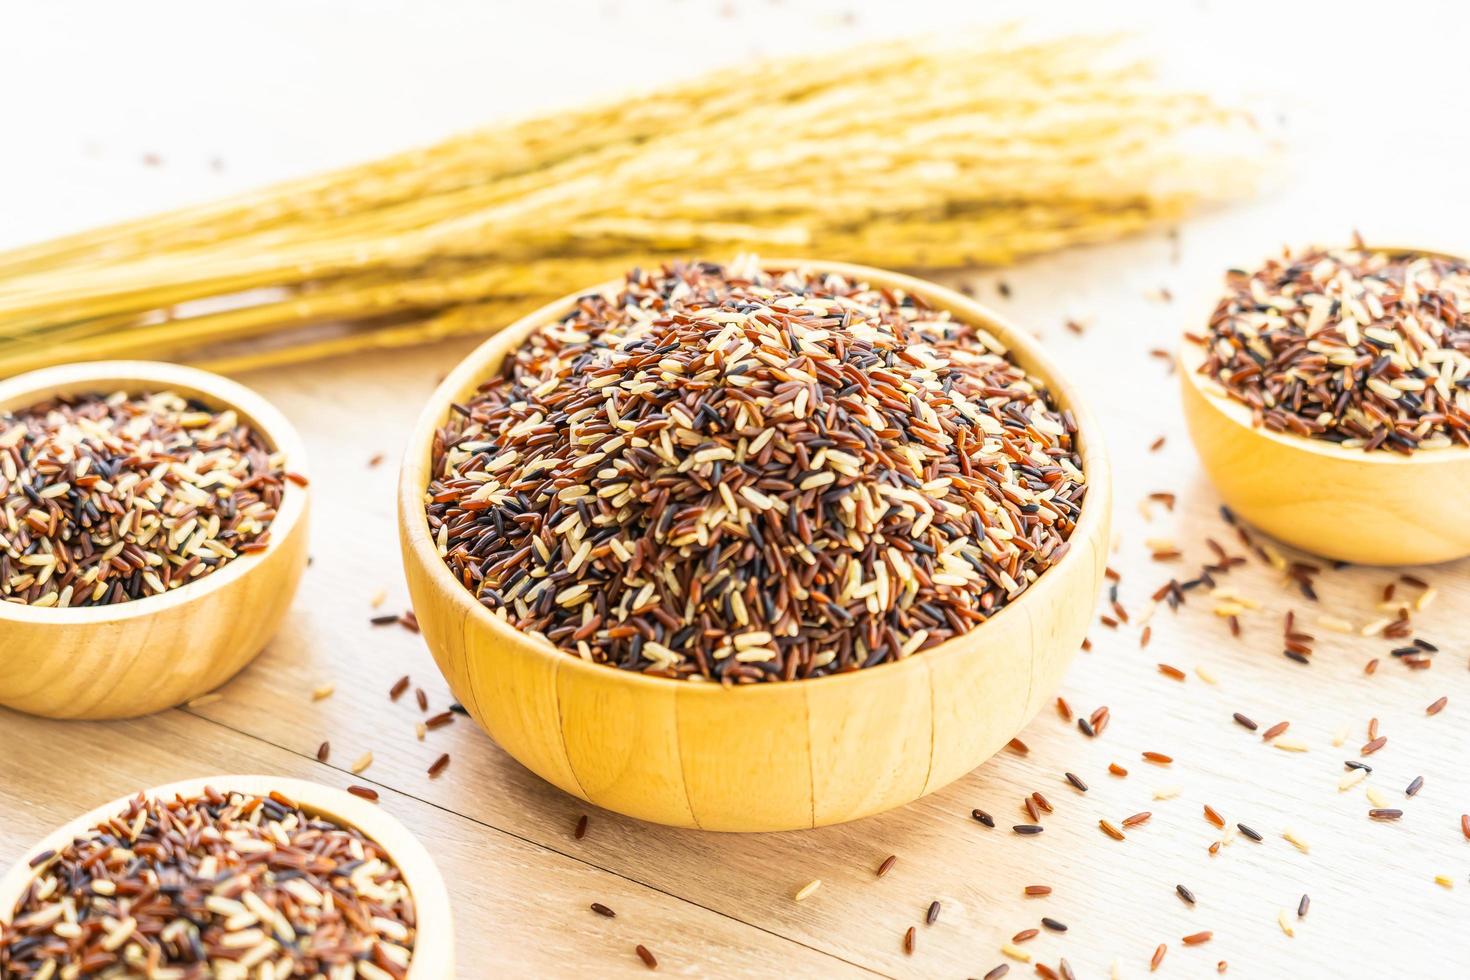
column 733, row 474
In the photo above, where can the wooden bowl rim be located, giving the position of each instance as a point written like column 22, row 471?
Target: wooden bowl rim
column 1192, row 355
column 433, row 945
column 470, row 371
column 34, row 386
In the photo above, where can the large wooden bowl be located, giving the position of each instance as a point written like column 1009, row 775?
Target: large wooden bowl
column 433, row 952
column 134, row 658
column 1372, row 508
column 774, row 756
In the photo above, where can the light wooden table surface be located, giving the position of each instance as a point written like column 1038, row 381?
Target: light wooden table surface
column 710, row 904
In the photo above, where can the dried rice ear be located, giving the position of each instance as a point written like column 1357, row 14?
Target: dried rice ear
column 1044, row 143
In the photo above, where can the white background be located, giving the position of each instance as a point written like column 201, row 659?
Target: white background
column 229, row 95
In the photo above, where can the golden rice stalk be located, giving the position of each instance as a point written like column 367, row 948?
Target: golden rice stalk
column 920, row 153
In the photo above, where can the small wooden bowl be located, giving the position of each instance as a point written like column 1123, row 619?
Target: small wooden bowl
column 1371, row 508
column 433, row 952
column 134, row 658
column 775, row 756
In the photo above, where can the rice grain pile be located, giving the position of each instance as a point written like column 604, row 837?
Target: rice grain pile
column 105, row 499
column 1365, row 348
column 732, row 474
column 222, row 884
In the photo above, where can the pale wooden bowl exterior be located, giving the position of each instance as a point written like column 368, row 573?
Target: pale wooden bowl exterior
column 135, row 658
column 1371, row 508
column 778, row 756
column 433, row 954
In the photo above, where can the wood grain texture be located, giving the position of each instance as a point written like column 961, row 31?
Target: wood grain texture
column 503, row 837
column 433, row 957
column 769, row 756
column 134, row 658
column 520, row 909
